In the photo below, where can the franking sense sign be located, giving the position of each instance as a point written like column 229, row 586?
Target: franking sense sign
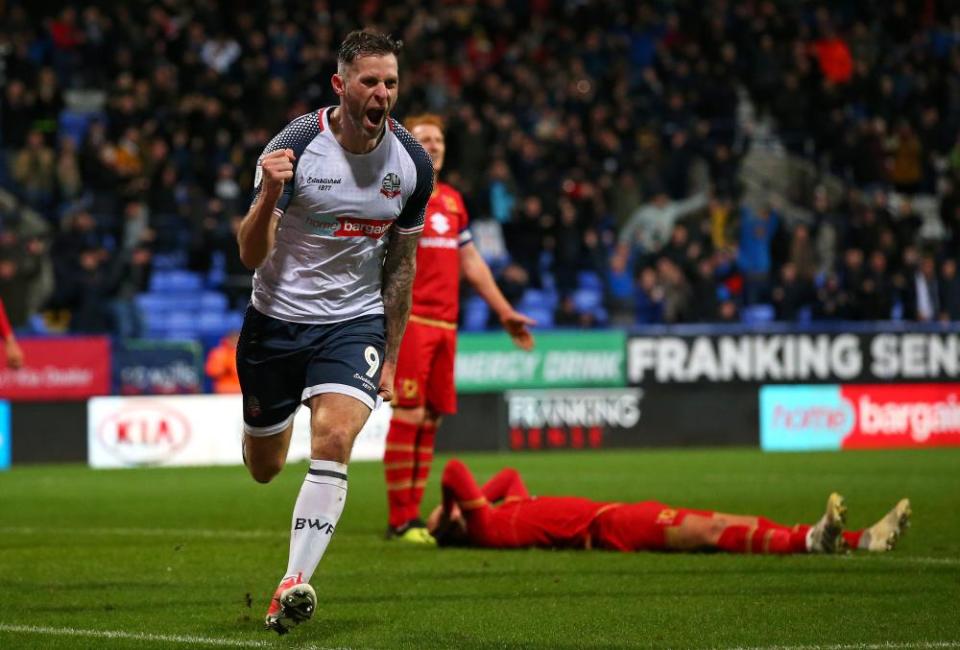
column 794, row 357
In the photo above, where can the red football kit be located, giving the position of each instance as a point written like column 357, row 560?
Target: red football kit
column 521, row 520
column 424, row 373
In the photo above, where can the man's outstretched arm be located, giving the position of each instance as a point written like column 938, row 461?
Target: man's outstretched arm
column 478, row 274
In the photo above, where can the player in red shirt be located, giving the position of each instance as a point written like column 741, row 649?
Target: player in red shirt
column 12, row 349
column 424, row 386
column 471, row 515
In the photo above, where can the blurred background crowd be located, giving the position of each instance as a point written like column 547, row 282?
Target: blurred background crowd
column 623, row 163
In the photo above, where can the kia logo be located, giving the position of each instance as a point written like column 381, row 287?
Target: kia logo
column 144, row 434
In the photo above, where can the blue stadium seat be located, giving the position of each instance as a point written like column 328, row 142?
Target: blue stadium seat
column 233, row 320
column 175, row 280
column 588, row 299
column 538, row 299
column 181, row 320
column 590, row 280
column 213, row 302
column 211, row 323
column 176, row 300
column 541, row 314
column 475, row 314
column 757, row 314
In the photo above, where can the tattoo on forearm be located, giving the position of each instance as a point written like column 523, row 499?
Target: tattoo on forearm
column 399, row 267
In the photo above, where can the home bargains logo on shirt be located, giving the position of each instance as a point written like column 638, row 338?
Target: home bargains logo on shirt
column 346, row 226
column 356, row 227
column 859, row 416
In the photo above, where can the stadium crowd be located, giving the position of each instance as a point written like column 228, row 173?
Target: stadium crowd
column 604, row 139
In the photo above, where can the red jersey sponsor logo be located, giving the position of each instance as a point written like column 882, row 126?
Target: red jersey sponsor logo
column 439, row 242
column 144, row 434
column 355, row 227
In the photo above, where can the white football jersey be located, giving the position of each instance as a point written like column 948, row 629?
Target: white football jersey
column 337, row 215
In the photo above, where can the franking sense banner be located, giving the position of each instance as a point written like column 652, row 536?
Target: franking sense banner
column 862, row 416
column 490, row 362
column 59, row 369
column 805, row 358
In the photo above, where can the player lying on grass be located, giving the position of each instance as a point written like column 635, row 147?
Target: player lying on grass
column 502, row 514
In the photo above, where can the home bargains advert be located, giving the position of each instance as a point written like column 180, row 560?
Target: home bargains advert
column 859, row 416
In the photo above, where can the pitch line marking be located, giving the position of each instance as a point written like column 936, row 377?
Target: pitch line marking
column 887, row 645
column 151, row 532
column 134, row 636
column 907, row 559
column 192, row 640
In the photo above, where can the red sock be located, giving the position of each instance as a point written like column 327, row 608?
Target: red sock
column 398, row 466
column 798, row 538
column 423, row 460
column 852, row 538
column 796, row 535
column 761, row 540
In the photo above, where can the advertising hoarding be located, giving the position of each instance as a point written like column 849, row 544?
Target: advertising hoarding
column 795, row 357
column 6, row 439
column 859, row 416
column 158, row 367
column 490, row 362
column 195, row 430
column 59, row 369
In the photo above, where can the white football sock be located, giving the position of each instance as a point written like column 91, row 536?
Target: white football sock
column 315, row 515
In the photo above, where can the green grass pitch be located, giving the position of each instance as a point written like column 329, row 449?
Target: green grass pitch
column 160, row 558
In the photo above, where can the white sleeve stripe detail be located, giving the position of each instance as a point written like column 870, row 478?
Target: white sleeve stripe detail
column 409, row 231
column 278, row 212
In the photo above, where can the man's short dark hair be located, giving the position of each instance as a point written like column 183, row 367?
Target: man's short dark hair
column 360, row 43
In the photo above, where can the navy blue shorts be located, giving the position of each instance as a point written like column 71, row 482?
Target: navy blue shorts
column 282, row 365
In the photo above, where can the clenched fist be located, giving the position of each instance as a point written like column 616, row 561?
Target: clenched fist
column 277, row 169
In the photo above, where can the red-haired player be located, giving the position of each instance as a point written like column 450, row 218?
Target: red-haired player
column 12, row 350
column 471, row 515
column 424, row 385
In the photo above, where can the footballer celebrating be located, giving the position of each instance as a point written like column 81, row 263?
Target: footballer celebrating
column 424, row 387
column 332, row 233
column 502, row 514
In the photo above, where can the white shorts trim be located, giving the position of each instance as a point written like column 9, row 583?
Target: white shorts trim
column 271, row 430
column 343, row 389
